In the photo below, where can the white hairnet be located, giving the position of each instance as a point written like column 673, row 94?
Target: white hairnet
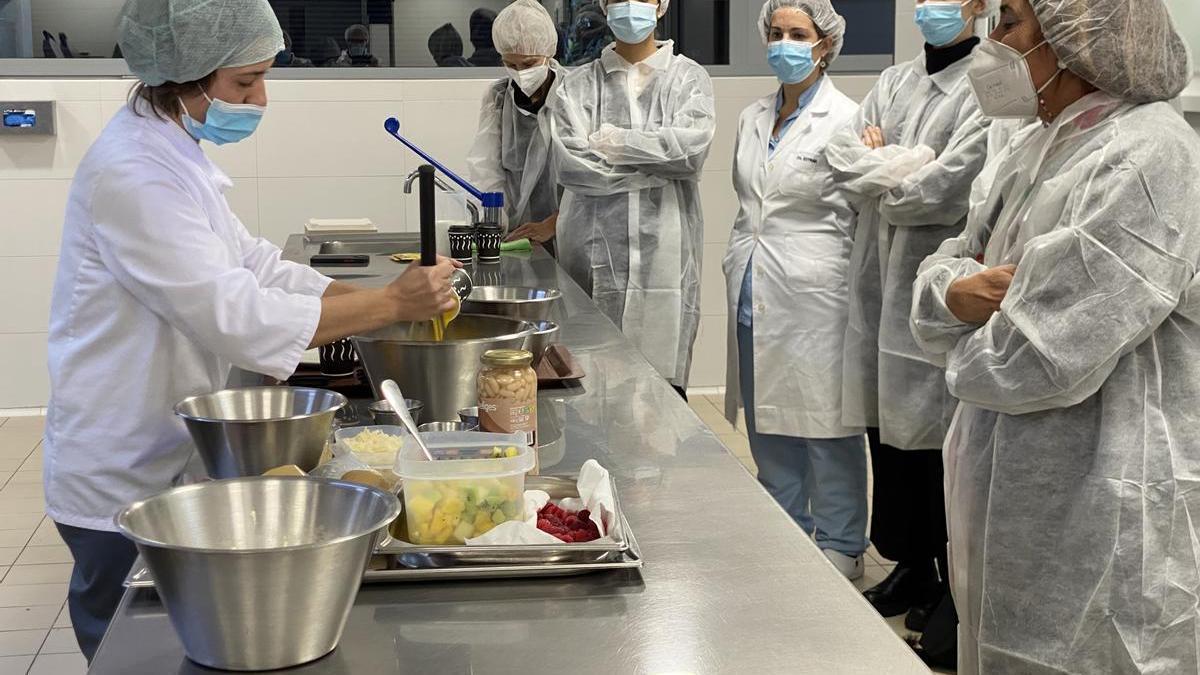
column 828, row 21
column 185, row 40
column 1128, row 48
column 525, row 28
column 662, row 6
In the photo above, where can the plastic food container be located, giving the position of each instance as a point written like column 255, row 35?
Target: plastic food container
column 468, row 490
column 384, row 459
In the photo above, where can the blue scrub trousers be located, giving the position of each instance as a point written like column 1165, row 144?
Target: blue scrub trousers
column 820, row 482
column 102, row 560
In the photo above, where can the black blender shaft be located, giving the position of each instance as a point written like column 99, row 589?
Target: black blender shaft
column 428, row 216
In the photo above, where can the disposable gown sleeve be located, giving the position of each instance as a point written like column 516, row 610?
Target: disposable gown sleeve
column 937, row 193
column 676, row 151
column 160, row 246
column 1084, row 295
column 578, row 167
column 933, row 325
column 266, row 261
column 867, row 173
column 484, row 166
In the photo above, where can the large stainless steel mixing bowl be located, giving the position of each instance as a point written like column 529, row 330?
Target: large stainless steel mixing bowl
column 526, row 304
column 259, row 573
column 246, row 432
column 442, row 374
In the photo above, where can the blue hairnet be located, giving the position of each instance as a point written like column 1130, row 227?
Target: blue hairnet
column 185, row 40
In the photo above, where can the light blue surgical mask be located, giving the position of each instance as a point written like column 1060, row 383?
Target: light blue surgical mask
column 792, row 61
column 941, row 22
column 632, row 22
column 225, row 122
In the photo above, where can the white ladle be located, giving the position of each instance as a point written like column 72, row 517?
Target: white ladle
column 391, row 394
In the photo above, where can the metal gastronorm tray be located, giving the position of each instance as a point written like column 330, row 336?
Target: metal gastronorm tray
column 398, row 561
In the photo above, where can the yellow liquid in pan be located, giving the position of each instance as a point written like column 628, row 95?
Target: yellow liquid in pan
column 441, row 323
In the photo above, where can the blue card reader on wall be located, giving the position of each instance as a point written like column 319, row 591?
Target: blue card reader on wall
column 26, row 118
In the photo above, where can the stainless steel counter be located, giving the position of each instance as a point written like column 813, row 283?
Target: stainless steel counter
column 730, row 584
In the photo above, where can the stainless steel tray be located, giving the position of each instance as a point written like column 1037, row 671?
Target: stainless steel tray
column 398, row 561
column 422, row 557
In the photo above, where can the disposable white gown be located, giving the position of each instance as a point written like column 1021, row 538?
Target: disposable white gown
column 511, row 153
column 160, row 289
column 630, row 142
column 1074, row 457
column 912, row 194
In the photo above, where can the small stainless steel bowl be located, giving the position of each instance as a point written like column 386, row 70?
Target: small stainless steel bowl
column 470, row 416
column 382, row 413
column 545, row 334
column 526, row 304
column 446, row 426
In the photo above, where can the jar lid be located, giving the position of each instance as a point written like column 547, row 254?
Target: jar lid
column 507, row 357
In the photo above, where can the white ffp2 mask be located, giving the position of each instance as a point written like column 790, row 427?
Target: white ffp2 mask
column 1000, row 78
column 530, row 79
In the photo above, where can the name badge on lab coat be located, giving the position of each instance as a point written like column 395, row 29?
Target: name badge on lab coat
column 802, row 177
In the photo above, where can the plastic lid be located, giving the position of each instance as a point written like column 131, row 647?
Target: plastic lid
column 507, row 357
column 456, row 452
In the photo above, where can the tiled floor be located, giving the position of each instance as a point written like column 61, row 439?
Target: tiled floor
column 35, row 630
column 711, row 410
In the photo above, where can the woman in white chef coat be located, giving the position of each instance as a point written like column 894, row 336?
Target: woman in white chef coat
column 160, row 288
column 786, row 278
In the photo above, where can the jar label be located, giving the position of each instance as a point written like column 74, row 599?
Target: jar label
column 506, row 416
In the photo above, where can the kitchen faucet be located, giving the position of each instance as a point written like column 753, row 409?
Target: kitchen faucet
column 444, row 187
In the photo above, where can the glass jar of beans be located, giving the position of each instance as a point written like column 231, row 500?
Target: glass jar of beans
column 507, row 389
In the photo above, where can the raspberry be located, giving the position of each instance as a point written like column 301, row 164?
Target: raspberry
column 567, row 526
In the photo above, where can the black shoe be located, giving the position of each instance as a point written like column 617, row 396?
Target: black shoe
column 918, row 616
column 945, row 661
column 905, row 587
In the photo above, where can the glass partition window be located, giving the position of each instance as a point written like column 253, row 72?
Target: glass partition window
column 366, row 33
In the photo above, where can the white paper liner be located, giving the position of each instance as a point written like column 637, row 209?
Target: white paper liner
column 595, row 495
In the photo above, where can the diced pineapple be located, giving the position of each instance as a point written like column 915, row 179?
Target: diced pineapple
column 463, row 532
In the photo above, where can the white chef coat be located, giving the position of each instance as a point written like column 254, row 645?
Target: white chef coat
column 794, row 225
column 160, row 290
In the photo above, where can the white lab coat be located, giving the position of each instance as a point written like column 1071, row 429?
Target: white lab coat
column 798, row 225
column 160, row 290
